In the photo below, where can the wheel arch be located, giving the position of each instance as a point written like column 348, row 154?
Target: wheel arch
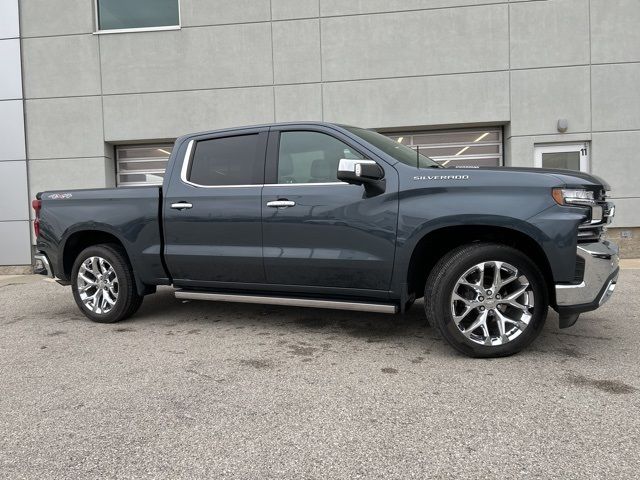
column 431, row 246
column 80, row 239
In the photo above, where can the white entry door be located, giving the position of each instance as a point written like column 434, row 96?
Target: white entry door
column 570, row 156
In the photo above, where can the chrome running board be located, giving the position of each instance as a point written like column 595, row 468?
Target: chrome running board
column 287, row 301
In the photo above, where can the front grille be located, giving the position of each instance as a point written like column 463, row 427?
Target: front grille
column 592, row 230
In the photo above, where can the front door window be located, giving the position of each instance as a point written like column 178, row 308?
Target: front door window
column 311, row 157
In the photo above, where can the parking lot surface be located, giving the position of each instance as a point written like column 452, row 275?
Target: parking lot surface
column 195, row 390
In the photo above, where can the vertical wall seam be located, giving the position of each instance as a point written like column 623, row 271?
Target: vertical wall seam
column 590, row 84
column 104, row 136
column 504, row 140
column 273, row 63
column 23, row 101
column 24, row 127
column 321, row 64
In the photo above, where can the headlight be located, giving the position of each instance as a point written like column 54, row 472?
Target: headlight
column 571, row 196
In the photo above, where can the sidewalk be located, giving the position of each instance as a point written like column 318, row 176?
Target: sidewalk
column 630, row 263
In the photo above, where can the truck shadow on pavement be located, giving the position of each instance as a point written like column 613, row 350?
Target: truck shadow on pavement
column 410, row 331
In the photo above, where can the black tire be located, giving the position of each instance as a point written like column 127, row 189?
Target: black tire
column 442, row 282
column 127, row 302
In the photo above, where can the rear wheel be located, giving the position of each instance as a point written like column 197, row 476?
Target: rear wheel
column 103, row 284
column 487, row 300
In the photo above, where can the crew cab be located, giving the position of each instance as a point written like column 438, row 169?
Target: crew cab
column 338, row 217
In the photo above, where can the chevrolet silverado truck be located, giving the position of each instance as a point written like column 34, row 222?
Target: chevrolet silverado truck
column 338, row 217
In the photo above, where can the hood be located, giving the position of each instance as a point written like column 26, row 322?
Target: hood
column 570, row 178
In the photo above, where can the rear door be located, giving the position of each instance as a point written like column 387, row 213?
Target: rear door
column 318, row 231
column 212, row 211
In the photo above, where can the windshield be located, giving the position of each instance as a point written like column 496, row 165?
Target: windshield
column 400, row 152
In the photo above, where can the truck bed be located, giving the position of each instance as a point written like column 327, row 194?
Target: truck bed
column 131, row 215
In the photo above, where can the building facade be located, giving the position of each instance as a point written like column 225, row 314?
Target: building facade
column 93, row 92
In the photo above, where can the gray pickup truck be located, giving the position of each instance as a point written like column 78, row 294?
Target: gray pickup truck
column 331, row 216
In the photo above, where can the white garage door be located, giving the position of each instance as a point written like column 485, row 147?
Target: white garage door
column 457, row 148
column 141, row 164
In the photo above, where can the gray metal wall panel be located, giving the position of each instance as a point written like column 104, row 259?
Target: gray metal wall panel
column 615, row 36
column 12, row 130
column 16, row 248
column 617, row 160
column 49, row 17
column 187, row 59
column 437, row 100
column 171, row 114
column 415, row 43
column 356, row 7
column 14, row 198
column 11, row 76
column 298, row 102
column 288, row 9
column 9, row 24
column 296, row 51
column 61, row 66
column 616, row 97
column 64, row 127
column 220, row 12
column 540, row 97
column 545, row 34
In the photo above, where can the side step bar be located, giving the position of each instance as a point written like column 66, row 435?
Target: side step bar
column 288, row 301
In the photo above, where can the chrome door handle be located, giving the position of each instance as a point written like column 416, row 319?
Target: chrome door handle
column 281, row 204
column 181, row 205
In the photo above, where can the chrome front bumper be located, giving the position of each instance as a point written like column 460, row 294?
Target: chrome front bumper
column 599, row 281
column 42, row 265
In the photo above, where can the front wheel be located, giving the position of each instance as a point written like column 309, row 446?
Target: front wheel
column 103, row 284
column 486, row 299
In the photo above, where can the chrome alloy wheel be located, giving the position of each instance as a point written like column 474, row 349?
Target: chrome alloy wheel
column 492, row 303
column 97, row 285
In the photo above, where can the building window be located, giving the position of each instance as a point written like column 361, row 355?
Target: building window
column 457, row 148
column 141, row 164
column 572, row 156
column 127, row 15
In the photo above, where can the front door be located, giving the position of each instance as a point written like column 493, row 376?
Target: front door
column 318, row 231
column 212, row 213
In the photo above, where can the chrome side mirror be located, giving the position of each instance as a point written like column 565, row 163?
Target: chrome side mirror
column 359, row 171
column 362, row 172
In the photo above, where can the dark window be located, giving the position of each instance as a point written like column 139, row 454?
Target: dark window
column 227, row 161
column 311, row 157
column 120, row 14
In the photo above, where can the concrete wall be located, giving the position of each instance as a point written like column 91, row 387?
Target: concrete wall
column 377, row 63
column 14, row 198
column 579, row 60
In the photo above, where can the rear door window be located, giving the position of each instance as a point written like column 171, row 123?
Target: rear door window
column 235, row 160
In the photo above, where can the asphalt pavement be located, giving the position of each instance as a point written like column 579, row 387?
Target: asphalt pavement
column 214, row 390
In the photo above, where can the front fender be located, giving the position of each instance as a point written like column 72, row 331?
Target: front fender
column 555, row 239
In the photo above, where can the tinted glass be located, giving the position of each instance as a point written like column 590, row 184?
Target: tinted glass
column 566, row 160
column 227, row 161
column 311, row 157
column 397, row 150
column 117, row 14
